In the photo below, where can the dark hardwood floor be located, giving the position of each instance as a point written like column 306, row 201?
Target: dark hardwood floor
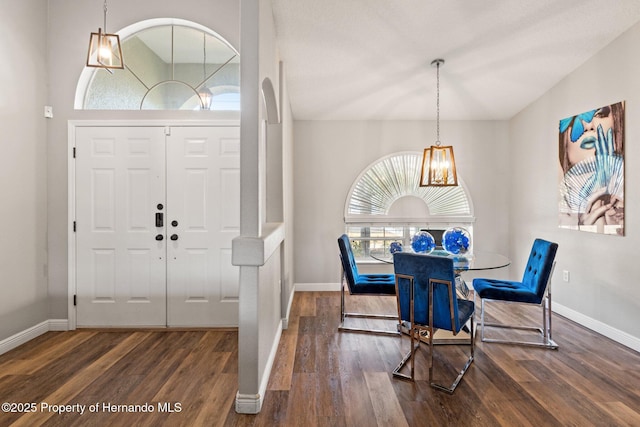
column 320, row 378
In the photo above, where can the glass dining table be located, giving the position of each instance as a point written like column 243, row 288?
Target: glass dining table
column 477, row 261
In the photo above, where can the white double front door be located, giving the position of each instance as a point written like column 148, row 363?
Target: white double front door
column 156, row 211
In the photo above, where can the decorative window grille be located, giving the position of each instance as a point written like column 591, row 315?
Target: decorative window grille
column 169, row 64
column 386, row 204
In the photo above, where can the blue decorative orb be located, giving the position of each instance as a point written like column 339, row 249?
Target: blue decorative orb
column 395, row 247
column 456, row 241
column 423, row 242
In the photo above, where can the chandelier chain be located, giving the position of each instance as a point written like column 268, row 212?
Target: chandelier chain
column 105, row 16
column 438, row 103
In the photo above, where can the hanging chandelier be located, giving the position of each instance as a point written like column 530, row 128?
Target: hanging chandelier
column 104, row 49
column 438, row 164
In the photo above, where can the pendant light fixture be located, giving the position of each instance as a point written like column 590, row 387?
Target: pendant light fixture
column 104, row 48
column 438, row 164
column 205, row 94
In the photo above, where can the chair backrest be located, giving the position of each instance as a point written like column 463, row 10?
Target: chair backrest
column 539, row 267
column 423, row 268
column 348, row 260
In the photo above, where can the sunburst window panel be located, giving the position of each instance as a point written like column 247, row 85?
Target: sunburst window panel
column 397, row 176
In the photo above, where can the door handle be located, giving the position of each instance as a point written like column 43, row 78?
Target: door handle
column 174, row 237
column 159, row 219
column 159, row 237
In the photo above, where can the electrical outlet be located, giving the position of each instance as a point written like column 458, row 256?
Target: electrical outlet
column 565, row 275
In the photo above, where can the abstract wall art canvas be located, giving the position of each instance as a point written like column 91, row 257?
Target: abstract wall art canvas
column 591, row 155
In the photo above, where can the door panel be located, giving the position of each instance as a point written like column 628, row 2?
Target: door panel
column 203, row 187
column 120, row 266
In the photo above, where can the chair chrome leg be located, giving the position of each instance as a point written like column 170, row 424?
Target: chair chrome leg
column 450, row 389
column 472, row 338
column 453, row 386
column 403, row 362
column 545, row 326
column 431, row 358
column 545, row 331
column 549, row 311
column 407, row 357
column 344, row 315
column 344, row 328
column 410, row 357
column 342, row 298
column 481, row 318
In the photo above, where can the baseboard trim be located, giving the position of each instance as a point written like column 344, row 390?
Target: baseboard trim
column 316, row 287
column 58, row 325
column 617, row 335
column 248, row 403
column 28, row 334
column 285, row 320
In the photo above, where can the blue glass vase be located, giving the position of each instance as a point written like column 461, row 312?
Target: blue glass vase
column 423, row 242
column 395, row 247
column 456, row 241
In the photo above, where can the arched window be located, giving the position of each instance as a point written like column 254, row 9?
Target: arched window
column 386, row 204
column 170, row 64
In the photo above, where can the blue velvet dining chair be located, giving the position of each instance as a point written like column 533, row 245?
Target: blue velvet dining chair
column 362, row 284
column 427, row 301
column 533, row 289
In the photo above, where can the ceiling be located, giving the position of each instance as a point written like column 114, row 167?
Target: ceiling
column 370, row 59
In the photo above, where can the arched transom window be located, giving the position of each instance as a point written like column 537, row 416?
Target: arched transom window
column 169, row 65
column 386, row 204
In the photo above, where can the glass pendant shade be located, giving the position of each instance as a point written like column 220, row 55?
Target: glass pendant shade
column 104, row 51
column 438, row 167
column 205, row 98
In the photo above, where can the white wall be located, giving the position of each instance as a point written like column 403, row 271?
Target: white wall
column 23, row 165
column 603, row 292
column 70, row 23
column 329, row 156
